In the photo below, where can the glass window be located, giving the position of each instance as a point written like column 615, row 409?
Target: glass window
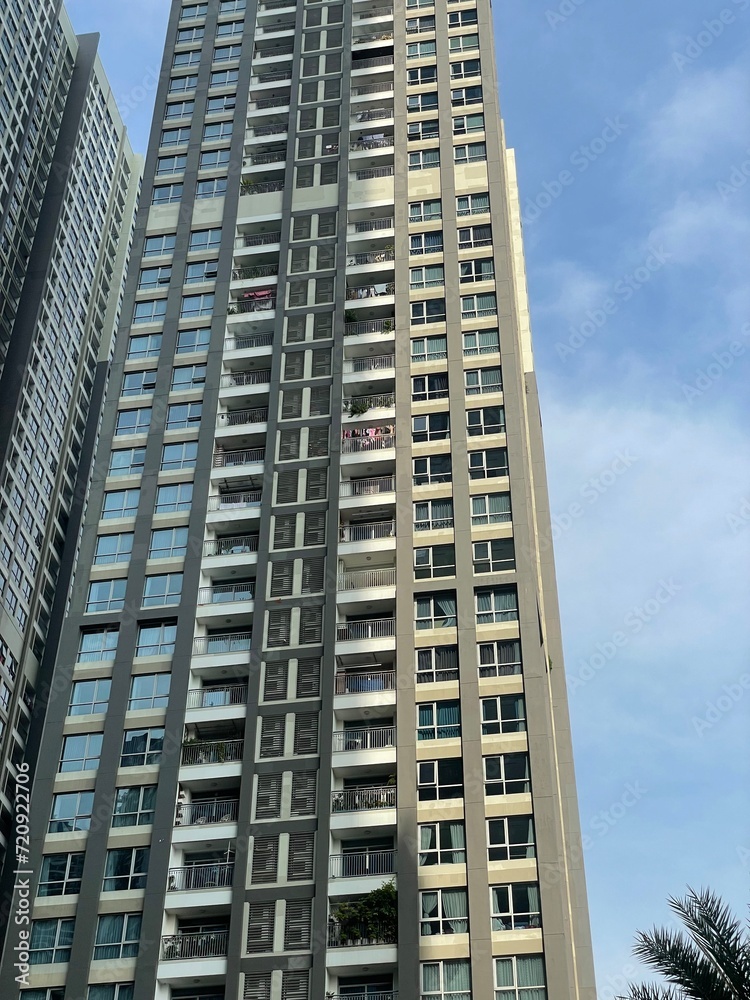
column 420, row 243
column 440, row 779
column 429, row 387
column 433, row 348
column 481, row 342
column 149, row 691
column 429, row 311
column 158, row 246
column 98, row 644
column 182, row 455
column 520, row 977
column 425, row 211
column 432, row 469
column 81, row 753
column 181, row 416
column 424, row 159
column 50, row 941
column 61, row 875
column 515, row 907
column 147, row 345
column 504, row 714
column 156, row 639
column 496, row 555
column 442, row 843
column 163, row 194
column 120, row 503
column 496, row 604
column 106, row 595
column 507, row 774
column 435, row 610
column 449, row 980
column 499, row 659
column 113, row 549
column 438, row 720
column 117, row 936
column 436, row 664
column 138, row 383
column 127, row 462
column 174, row 499
column 162, row 590
column 134, row 806
column 133, row 421
column 444, row 911
column 430, row 276
column 89, row 697
column 125, row 868
column 71, row 811
column 489, row 464
column 188, row 377
column 141, row 747
column 150, row 311
column 168, row 543
column 192, row 341
column 511, row 838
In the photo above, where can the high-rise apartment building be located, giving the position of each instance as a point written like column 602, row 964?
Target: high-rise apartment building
column 68, row 187
column 309, row 736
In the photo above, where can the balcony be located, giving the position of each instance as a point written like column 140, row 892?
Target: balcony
column 377, row 363
column 367, row 487
column 364, row 579
column 265, row 103
column 368, row 15
column 241, row 418
column 255, row 304
column 207, row 813
column 219, row 645
column 235, row 379
column 372, row 257
column 270, row 29
column 204, row 944
column 247, row 499
column 357, row 406
column 365, row 681
column 372, row 115
column 248, row 341
column 217, row 697
column 231, row 546
column 273, row 51
column 257, row 240
column 375, row 628
column 369, row 226
column 371, row 173
column 204, row 876
column 259, row 271
column 384, row 86
column 369, row 995
column 348, row 800
column 362, row 864
column 364, row 739
column 367, row 532
column 372, row 62
column 359, row 445
column 235, row 459
column 227, row 593
column 366, row 935
column 198, row 752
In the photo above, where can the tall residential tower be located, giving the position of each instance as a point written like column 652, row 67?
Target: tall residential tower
column 68, row 187
column 311, row 672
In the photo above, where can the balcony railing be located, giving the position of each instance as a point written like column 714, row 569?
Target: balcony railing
column 210, row 876
column 379, row 363
column 221, row 696
column 373, row 257
column 362, row 865
column 366, row 934
column 367, row 487
column 203, row 944
column 362, row 579
column 362, row 145
column 231, row 459
column 268, row 29
column 356, row 406
column 274, row 128
column 275, row 4
column 364, row 739
column 376, row 628
column 370, row 291
column 216, row 645
column 270, row 53
column 373, row 12
column 368, row 173
column 358, row 799
column 204, row 813
column 372, row 115
column 365, row 681
column 269, row 102
column 382, row 87
column 385, row 326
column 240, row 418
column 227, row 593
column 261, row 187
column 370, row 225
column 245, row 342
column 373, row 36
column 369, row 995
column 231, row 546
column 367, row 532
column 261, row 304
column 235, row 501
column 258, row 159
column 216, row 752
column 245, row 378
column 357, row 445
column 261, row 271
column 372, row 62
column 257, row 240
column 275, row 76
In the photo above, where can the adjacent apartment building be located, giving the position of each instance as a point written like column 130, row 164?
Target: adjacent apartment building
column 68, row 186
column 309, row 736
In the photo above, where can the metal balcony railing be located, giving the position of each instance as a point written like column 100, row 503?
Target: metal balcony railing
column 358, row 445
column 372, row 257
column 258, row 159
column 362, row 145
column 358, row 799
column 384, row 86
column 226, row 593
column 373, row 36
column 203, row 944
column 204, row 813
column 370, row 326
column 234, row 642
column 274, row 128
column 210, row 876
column 369, row 995
column 261, row 271
column 367, row 532
column 370, row 291
column 261, row 187
column 361, row 579
column 231, row 546
column 269, row 102
column 235, row 501
column 245, row 342
column 377, row 628
column 373, row 12
column 240, row 418
column 271, row 77
column 367, row 487
column 373, row 62
column 261, row 304
column 364, row 739
column 231, row 459
column 368, row 173
column 365, row 681
column 372, row 115
column 363, row 864
column 355, row 406
column 245, row 378
column 366, row 934
column 216, row 752
column 275, row 4
column 269, row 29
column 379, row 363
column 271, row 53
column 221, row 696
column 369, row 225
column 257, row 240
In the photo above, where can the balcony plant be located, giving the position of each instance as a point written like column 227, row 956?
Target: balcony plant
column 372, row 918
column 357, row 407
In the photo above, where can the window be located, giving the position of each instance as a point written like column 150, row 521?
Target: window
column 61, row 875
column 212, row 159
column 80, row 753
column 205, row 239
column 449, row 980
column 179, row 456
column 499, row 659
column 197, row 305
column 444, row 911
column 442, row 843
column 507, row 774
column 487, row 420
column 432, row 515
column 174, row 499
column 106, row 595
column 425, row 211
column 421, row 243
column 181, row 84
column 175, row 136
column 134, row 806
column 465, row 68
column 466, row 124
column 476, row 270
column 493, row 508
column 133, row 421
column 154, row 277
column 144, row 346
column 428, row 311
column 438, row 720
column 149, row 691
column 494, row 556
column 117, row 936
column 158, row 246
column 416, row 131
column 216, row 187
column 156, row 639
column 520, row 977
column 422, row 102
column 168, row 543
column 432, row 469
column 429, row 387
column 229, row 28
column 150, row 311
column 489, row 464
column 166, row 194
column 420, row 50
column 430, row 427
column 504, row 714
column 481, row 342
column 89, row 697
column 202, row 271
column 217, row 131
column 169, row 165
column 472, row 152
column 98, row 644
column 188, row 377
column 437, row 663
column 50, row 941
column 71, row 811
column 425, row 159
column 189, row 35
column 496, row 604
column 193, row 341
column 226, row 53
column 141, row 747
column 416, row 25
column 433, row 348
column 515, row 907
column 463, row 43
column 138, row 383
column 440, row 779
column 181, row 416
column 162, row 590
column 125, row 868
column 224, row 78
column 462, row 19
column 511, row 838
column 427, row 277
column 435, row 610
column 462, row 97
column 111, row 991
column 214, row 105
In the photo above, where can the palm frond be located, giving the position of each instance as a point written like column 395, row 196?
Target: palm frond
column 647, row 991
column 719, row 935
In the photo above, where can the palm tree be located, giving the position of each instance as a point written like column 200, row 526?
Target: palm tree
column 709, row 962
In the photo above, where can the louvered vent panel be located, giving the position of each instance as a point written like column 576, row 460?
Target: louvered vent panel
column 301, row 857
column 289, row 445
column 295, row 986
column 282, row 576
column 321, row 363
column 286, row 486
column 317, row 442
column 308, row 677
column 272, row 736
column 265, row 860
column 315, row 528
column 284, row 531
column 313, row 576
column 306, row 733
column 291, row 404
column 304, row 786
column 268, row 799
column 260, row 921
column 279, row 628
column 294, row 365
column 298, row 924
column 320, row 402
column 257, row 986
column 277, row 676
column 311, row 626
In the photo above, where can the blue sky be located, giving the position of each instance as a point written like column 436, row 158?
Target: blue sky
column 631, row 124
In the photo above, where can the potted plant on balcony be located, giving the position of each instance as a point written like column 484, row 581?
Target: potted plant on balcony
column 373, row 918
column 357, row 407
column 246, row 187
